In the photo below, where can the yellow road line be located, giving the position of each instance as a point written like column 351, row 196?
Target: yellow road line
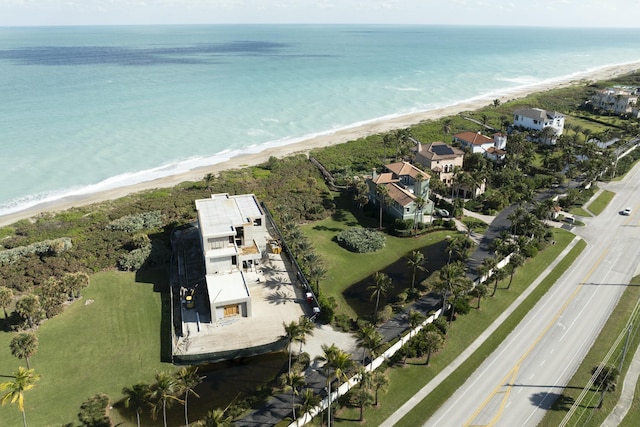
column 509, row 379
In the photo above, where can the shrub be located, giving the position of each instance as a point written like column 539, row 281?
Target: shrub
column 361, row 240
column 46, row 247
column 137, row 222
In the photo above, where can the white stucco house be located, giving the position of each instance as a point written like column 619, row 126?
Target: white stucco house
column 491, row 148
column 537, row 119
column 233, row 237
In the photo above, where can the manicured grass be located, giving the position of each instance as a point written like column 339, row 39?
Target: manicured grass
column 580, row 212
column 109, row 339
column 406, row 381
column 597, row 206
column 616, row 323
column 345, row 268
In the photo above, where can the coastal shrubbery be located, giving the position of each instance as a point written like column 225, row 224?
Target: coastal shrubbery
column 137, row 222
column 361, row 240
column 55, row 246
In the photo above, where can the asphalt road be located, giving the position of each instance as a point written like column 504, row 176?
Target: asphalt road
column 522, row 378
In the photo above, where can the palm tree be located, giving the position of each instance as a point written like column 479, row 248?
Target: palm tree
column 386, row 140
column 414, row 262
column 337, row 364
column 446, row 126
column 381, row 284
column 363, row 398
column 415, row 319
column 498, row 274
column 605, row 377
column 216, row 418
column 481, row 290
column 208, row 180
column 292, row 332
column 433, row 343
column 188, row 379
column 163, row 393
column 306, row 327
column 136, row 396
column 29, row 308
column 294, row 381
column 419, row 204
column 317, row 272
column 379, row 381
column 369, row 339
column 515, row 261
column 24, row 345
column 13, row 391
column 309, row 401
column 6, row 298
column 383, row 198
column 73, row 283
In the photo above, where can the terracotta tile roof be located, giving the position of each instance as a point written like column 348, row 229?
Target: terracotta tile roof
column 384, row 178
column 496, row 151
column 400, row 195
column 405, row 168
column 473, row 138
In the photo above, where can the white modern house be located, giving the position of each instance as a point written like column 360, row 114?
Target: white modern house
column 537, row 119
column 233, row 236
column 619, row 100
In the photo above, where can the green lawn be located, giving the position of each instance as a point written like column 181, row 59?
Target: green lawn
column 602, row 201
column 345, row 268
column 580, row 212
column 406, row 381
column 109, row 339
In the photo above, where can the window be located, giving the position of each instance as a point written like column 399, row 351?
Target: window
column 257, row 222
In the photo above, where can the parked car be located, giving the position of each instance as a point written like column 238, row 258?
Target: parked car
column 626, row 211
column 442, row 213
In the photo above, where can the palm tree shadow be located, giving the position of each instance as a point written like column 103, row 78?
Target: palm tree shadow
column 552, row 401
column 279, row 298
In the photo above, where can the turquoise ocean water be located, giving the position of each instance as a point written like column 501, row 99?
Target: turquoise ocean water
column 85, row 109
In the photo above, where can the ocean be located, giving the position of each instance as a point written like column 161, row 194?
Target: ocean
column 85, row 109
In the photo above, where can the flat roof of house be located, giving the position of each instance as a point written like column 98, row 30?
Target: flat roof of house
column 226, row 287
column 222, row 212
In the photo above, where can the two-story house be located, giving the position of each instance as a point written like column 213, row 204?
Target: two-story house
column 233, row 237
column 403, row 184
column 491, row 148
column 537, row 119
column 621, row 100
column 440, row 158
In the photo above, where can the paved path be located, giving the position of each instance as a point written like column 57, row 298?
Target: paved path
column 626, row 395
column 279, row 406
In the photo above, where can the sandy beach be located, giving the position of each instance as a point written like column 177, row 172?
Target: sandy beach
column 313, row 143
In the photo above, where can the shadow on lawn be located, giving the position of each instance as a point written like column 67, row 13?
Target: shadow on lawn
column 359, row 297
column 159, row 277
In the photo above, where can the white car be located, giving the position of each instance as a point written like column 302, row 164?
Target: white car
column 626, row 211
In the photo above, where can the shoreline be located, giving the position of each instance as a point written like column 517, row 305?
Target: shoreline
column 324, row 140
